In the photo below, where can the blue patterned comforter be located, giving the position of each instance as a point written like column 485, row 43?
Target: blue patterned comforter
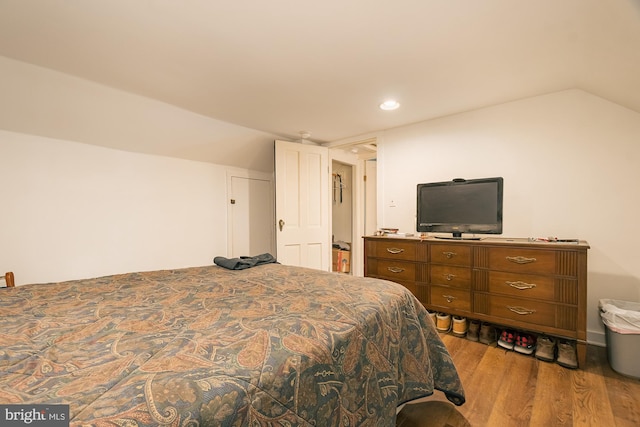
column 268, row 346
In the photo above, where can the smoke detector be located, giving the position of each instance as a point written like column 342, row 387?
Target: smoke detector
column 305, row 134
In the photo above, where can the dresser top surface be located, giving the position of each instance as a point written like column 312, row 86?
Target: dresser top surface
column 498, row 241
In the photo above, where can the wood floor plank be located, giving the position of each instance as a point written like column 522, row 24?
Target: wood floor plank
column 591, row 405
column 481, row 389
column 465, row 353
column 513, row 404
column 552, row 404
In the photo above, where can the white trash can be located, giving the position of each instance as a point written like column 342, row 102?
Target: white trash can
column 622, row 325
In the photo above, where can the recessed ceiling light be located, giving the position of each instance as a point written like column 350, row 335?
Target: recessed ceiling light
column 390, row 104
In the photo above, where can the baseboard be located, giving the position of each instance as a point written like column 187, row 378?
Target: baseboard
column 596, row 338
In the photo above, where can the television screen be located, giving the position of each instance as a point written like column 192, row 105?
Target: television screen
column 460, row 206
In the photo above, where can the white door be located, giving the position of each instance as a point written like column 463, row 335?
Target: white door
column 303, row 236
column 250, row 216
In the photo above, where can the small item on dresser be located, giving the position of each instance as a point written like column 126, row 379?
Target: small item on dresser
column 399, row 234
column 389, row 230
column 553, row 240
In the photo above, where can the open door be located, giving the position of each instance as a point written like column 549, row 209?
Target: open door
column 303, row 237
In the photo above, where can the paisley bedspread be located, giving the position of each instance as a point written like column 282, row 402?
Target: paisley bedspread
column 204, row 346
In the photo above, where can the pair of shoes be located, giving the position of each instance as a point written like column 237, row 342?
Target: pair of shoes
column 566, row 350
column 567, row 355
column 460, row 326
column 473, row 331
column 546, row 349
column 487, row 334
column 525, row 343
column 507, row 339
column 443, row 322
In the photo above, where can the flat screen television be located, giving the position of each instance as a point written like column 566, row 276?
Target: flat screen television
column 460, row 206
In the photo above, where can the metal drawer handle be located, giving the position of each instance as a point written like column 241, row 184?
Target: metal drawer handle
column 521, row 310
column 521, row 259
column 449, row 277
column 521, row 285
column 395, row 250
column 449, row 298
column 449, row 254
column 395, row 269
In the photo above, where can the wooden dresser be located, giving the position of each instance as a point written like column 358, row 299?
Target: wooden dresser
column 534, row 286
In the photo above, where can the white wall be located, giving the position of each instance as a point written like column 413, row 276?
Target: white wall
column 72, row 210
column 40, row 101
column 570, row 163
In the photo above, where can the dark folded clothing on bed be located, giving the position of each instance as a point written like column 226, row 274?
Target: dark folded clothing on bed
column 244, row 261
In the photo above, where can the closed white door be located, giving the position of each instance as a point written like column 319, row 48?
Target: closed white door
column 303, row 236
column 251, row 216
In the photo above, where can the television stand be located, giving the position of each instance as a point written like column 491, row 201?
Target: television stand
column 511, row 283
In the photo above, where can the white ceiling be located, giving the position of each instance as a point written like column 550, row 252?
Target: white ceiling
column 282, row 66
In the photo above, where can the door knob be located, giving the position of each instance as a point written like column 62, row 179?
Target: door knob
column 281, row 224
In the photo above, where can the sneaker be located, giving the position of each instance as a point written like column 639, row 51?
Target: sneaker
column 460, row 326
column 507, row 339
column 473, row 331
column 567, row 355
column 432, row 315
column 443, row 322
column 546, row 349
column 487, row 334
column 525, row 343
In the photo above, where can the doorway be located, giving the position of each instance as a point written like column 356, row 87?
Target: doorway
column 354, row 211
column 342, row 208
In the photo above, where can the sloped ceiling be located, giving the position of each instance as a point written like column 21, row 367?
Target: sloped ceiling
column 274, row 68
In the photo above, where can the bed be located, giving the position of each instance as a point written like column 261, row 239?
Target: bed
column 271, row 345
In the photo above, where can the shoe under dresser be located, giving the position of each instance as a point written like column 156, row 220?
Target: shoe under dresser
column 535, row 286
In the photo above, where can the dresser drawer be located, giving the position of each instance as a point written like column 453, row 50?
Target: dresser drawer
column 444, row 297
column 459, row 277
column 396, row 271
column 395, row 249
column 523, row 310
column 522, row 260
column 451, row 254
column 522, row 285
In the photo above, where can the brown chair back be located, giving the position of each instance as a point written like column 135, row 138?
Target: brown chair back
column 9, row 279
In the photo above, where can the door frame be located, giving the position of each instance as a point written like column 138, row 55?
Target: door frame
column 357, row 215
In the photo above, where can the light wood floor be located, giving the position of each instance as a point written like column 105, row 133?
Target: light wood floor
column 504, row 388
